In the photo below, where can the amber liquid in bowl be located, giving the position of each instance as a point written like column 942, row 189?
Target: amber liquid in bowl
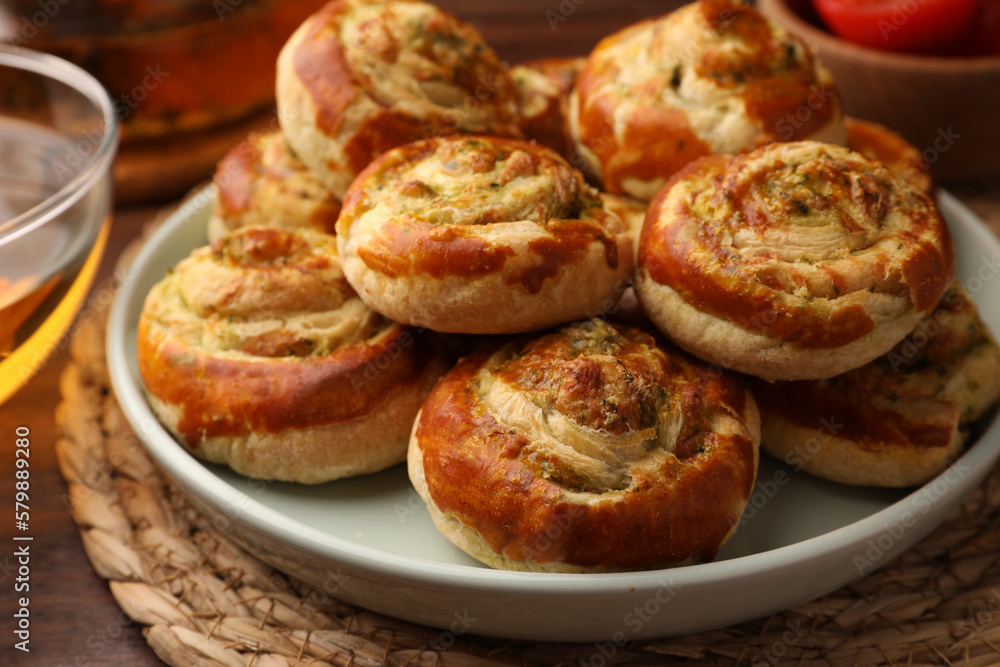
column 46, row 275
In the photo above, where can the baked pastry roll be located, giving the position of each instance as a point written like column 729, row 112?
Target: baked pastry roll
column 877, row 142
column 713, row 77
column 543, row 89
column 362, row 76
column 261, row 182
column 794, row 261
column 632, row 212
column 256, row 353
column 591, row 448
column 481, row 235
column 897, row 421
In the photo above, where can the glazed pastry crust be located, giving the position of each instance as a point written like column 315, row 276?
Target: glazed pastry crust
column 543, row 91
column 261, row 182
column 632, row 212
column 592, row 448
column 360, row 77
column 793, row 261
column 879, row 143
column 256, row 353
column 480, row 235
column 713, row 77
column 897, row 421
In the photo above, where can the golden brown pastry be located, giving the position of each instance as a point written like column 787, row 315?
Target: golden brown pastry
column 261, row 182
column 794, row 261
column 877, row 142
column 256, row 353
column 897, row 421
column 713, row 77
column 362, row 76
column 591, row 448
column 481, row 235
column 543, row 91
column 632, row 211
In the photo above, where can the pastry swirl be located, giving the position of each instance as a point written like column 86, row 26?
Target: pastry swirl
column 896, row 421
column 481, row 235
column 261, row 182
column 591, row 448
column 713, row 77
column 879, row 143
column 793, row 261
column 362, row 76
column 255, row 352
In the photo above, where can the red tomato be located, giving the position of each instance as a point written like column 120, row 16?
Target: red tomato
column 914, row 26
column 983, row 36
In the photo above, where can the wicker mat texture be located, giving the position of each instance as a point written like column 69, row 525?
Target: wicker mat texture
column 202, row 600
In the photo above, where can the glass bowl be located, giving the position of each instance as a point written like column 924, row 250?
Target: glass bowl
column 58, row 137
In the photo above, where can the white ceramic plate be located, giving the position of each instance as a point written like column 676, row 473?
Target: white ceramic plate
column 370, row 541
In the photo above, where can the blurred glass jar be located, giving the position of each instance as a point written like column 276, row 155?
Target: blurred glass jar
column 169, row 65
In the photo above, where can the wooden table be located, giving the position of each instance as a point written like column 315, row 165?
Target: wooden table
column 74, row 619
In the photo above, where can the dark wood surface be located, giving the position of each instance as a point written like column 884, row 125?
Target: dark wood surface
column 74, row 619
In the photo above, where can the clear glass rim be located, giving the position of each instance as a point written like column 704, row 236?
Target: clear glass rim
column 78, row 79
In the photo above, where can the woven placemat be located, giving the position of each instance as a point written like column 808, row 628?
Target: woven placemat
column 203, row 600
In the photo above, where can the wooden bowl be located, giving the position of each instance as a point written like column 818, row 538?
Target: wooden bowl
column 946, row 106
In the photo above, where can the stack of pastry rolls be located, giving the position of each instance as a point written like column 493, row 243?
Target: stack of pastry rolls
column 573, row 296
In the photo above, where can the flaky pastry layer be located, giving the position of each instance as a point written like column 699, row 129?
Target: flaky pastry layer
column 261, row 182
column 543, row 92
column 481, row 235
column 796, row 260
column 255, row 352
column 362, row 76
column 879, row 143
column 591, row 448
column 713, row 77
column 896, row 421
